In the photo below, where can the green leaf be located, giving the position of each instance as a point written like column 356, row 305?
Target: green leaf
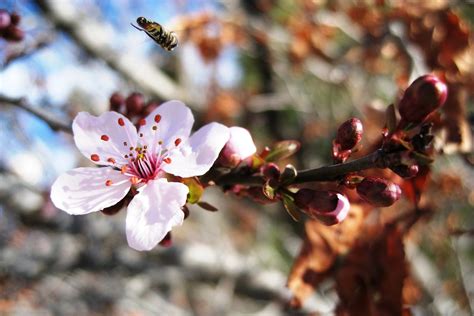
column 269, row 191
column 291, row 207
column 283, row 150
column 195, row 189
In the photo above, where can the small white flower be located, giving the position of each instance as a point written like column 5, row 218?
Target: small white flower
column 162, row 145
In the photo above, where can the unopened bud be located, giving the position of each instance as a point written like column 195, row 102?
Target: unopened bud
column 167, row 241
column 349, row 133
column 134, row 103
column 378, row 191
column 5, row 19
column 13, row 33
column 423, row 96
column 330, row 207
column 116, row 101
column 405, row 171
column 271, row 171
column 239, row 147
column 15, row 18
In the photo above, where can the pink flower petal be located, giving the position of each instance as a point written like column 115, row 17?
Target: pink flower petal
column 342, row 208
column 105, row 139
column 168, row 122
column 240, row 143
column 196, row 156
column 153, row 212
column 85, row 190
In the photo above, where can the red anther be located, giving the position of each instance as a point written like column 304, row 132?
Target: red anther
column 104, row 138
column 142, row 122
column 378, row 191
column 426, row 94
column 111, row 160
column 349, row 133
column 177, row 141
column 167, row 160
column 116, row 101
column 157, row 118
column 95, row 157
column 121, row 122
column 108, row 182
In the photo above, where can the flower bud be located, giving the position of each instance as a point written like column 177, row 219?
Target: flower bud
column 14, row 34
column 270, row 171
column 239, row 147
column 134, row 103
column 5, row 19
column 378, row 191
column 329, row 207
column 15, row 18
column 167, row 241
column 116, row 101
column 405, row 171
column 423, row 96
column 349, row 133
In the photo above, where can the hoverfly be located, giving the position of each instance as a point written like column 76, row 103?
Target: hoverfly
column 167, row 40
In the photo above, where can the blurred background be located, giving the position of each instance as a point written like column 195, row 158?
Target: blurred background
column 282, row 69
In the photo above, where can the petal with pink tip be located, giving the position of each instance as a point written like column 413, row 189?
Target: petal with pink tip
column 86, row 190
column 240, row 143
column 196, row 156
column 168, row 122
column 104, row 139
column 153, row 212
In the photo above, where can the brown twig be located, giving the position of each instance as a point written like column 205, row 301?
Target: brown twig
column 40, row 42
column 54, row 122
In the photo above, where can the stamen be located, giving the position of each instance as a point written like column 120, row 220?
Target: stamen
column 108, row 183
column 177, row 141
column 104, row 138
column 95, row 157
column 111, row 160
column 125, row 144
column 123, row 169
column 121, row 122
column 157, row 118
column 142, row 122
column 131, row 148
column 126, row 156
column 154, row 128
column 141, row 134
column 134, row 180
column 160, row 142
column 167, row 160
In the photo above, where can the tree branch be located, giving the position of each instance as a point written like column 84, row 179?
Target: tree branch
column 53, row 122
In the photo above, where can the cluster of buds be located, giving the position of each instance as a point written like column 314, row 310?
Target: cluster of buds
column 9, row 29
column 349, row 135
column 133, row 106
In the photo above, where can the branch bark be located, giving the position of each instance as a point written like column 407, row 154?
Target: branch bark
column 53, row 122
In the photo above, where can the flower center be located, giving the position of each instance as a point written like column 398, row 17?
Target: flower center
column 144, row 165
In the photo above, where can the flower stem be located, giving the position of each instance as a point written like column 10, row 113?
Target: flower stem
column 326, row 173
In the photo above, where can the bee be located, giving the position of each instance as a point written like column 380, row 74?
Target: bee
column 167, row 40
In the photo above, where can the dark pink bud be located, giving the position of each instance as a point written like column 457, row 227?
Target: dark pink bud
column 405, row 171
column 349, row 133
column 14, row 34
column 378, row 191
column 423, row 96
column 330, row 207
column 271, row 171
column 134, row 103
column 167, row 241
column 116, row 101
column 15, row 18
column 5, row 19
